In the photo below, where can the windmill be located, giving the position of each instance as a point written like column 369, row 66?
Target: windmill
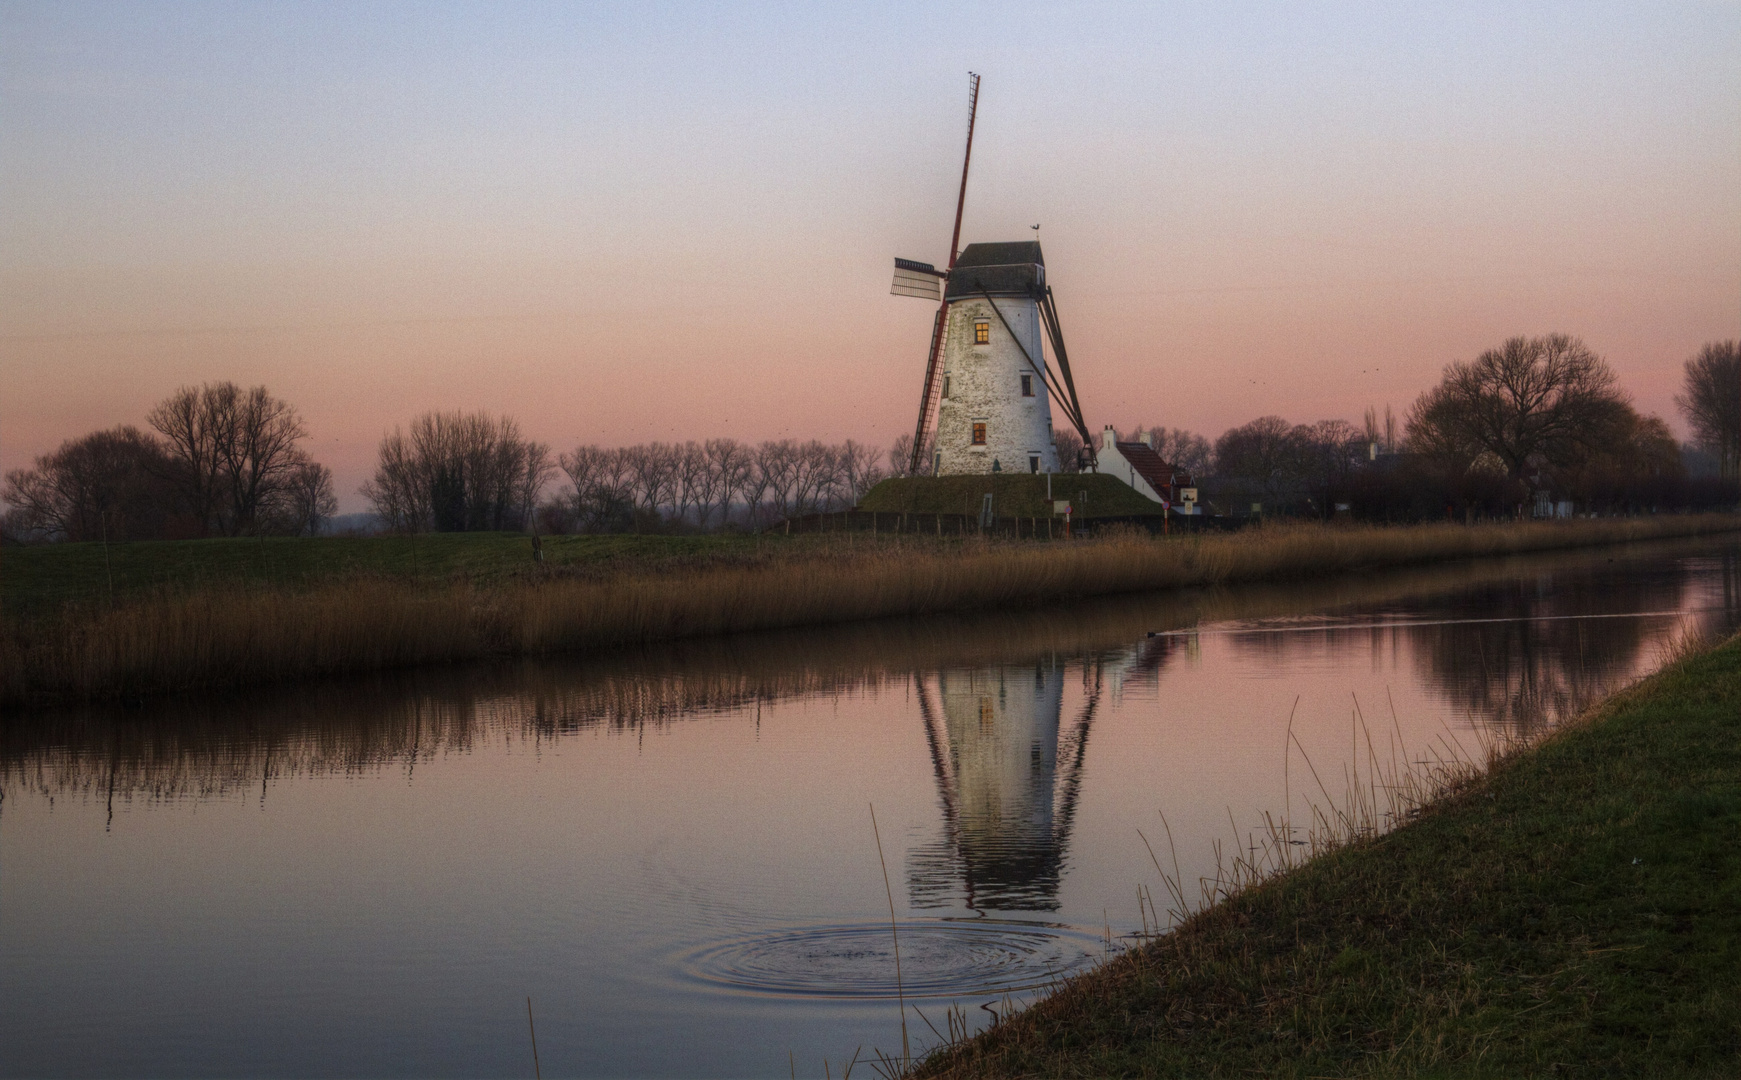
column 995, row 421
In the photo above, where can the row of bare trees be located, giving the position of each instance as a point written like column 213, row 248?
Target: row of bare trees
column 709, row 484
column 221, row 461
column 458, row 472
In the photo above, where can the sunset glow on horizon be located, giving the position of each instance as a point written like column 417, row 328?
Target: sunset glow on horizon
column 620, row 225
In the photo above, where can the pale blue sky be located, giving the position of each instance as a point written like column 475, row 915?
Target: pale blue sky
column 633, row 222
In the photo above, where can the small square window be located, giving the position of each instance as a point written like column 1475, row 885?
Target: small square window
column 982, row 332
column 1027, row 386
column 979, row 433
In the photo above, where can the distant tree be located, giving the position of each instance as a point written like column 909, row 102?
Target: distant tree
column 108, row 484
column 1641, row 470
column 309, row 502
column 1069, row 446
column 1327, row 453
column 233, row 454
column 190, row 421
column 1382, row 436
column 900, row 457
column 1711, row 401
column 860, row 470
column 455, row 472
column 1531, row 403
column 1264, row 452
column 1183, row 449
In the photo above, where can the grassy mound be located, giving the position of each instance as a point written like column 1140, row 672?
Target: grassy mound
column 1013, row 495
column 1576, row 912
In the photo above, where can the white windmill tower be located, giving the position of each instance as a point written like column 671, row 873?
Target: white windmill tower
column 987, row 380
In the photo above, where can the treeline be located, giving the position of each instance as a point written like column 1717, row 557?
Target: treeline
column 710, row 484
column 219, row 461
column 1534, row 427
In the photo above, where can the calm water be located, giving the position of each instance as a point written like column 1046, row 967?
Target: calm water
column 672, row 852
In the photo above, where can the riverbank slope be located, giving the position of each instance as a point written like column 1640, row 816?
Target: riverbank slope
column 1576, row 911
column 263, row 631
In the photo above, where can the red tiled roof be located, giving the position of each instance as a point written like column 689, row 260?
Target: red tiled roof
column 1149, row 466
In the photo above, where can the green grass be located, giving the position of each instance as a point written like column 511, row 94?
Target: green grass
column 42, row 578
column 1577, row 912
column 1013, row 495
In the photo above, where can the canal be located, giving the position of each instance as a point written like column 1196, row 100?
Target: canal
column 671, row 852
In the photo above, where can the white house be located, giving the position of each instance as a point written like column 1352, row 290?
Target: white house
column 1137, row 464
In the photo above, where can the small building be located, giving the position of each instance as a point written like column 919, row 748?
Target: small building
column 1137, row 464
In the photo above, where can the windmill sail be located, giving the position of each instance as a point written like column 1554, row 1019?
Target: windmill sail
column 928, row 397
column 917, row 279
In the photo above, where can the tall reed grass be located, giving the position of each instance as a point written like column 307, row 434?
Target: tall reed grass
column 230, row 637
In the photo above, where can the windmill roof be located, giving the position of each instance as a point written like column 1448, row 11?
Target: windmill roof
column 1014, row 269
column 1019, row 251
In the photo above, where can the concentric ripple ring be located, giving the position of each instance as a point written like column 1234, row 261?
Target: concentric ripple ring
column 939, row 958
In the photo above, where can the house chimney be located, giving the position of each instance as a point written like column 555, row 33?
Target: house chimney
column 1147, row 439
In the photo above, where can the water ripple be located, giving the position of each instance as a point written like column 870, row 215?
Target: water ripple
column 939, row 958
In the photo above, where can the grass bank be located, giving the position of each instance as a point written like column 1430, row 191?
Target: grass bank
column 240, row 635
column 45, row 578
column 1576, row 911
column 1092, row 495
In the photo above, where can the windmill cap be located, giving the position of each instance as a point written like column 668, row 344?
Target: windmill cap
column 1019, row 251
column 1012, row 269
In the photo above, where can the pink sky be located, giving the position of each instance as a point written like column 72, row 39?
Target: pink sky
column 619, row 226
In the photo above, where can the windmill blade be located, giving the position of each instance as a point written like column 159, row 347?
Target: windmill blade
column 918, row 279
column 1071, row 413
column 1055, row 330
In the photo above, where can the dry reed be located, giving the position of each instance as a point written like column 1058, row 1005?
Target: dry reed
column 244, row 637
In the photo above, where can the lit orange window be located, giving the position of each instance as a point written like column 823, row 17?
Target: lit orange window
column 979, row 434
column 987, row 717
column 982, row 332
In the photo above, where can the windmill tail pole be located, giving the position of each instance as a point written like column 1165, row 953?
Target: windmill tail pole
column 931, row 365
column 936, row 356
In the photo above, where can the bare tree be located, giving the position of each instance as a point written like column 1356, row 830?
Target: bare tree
column 726, row 463
column 1265, row 452
column 1328, row 450
column 257, row 452
column 1069, row 447
column 1178, row 447
column 1533, row 402
column 861, row 469
column 231, row 453
column 900, row 457
column 309, row 502
column 108, row 484
column 455, row 472
column 1711, row 401
column 190, row 426
column 689, row 479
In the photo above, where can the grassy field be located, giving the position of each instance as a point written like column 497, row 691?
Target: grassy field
column 310, row 614
column 1013, row 495
column 42, row 578
column 1574, row 912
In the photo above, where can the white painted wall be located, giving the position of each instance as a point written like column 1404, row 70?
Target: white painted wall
column 1112, row 463
column 985, row 384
